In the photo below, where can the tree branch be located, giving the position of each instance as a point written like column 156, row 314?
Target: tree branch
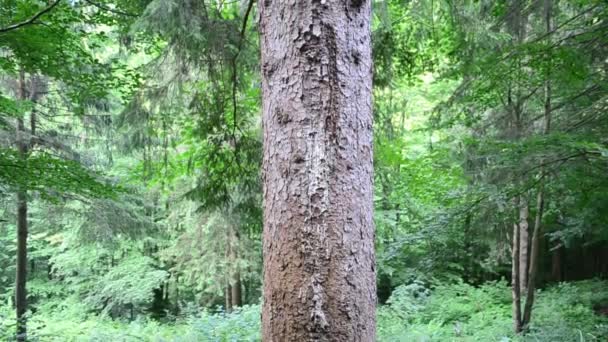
column 106, row 8
column 234, row 77
column 30, row 20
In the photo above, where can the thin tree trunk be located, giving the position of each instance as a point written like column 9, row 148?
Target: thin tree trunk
column 177, row 308
column 21, row 277
column 235, row 287
column 540, row 200
column 515, row 272
column 516, row 23
column 228, row 288
column 524, row 212
column 228, row 296
column 237, row 299
column 22, row 229
column 319, row 268
column 534, row 258
column 556, row 264
column 468, row 250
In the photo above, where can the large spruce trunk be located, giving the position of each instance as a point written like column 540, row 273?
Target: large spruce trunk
column 319, row 268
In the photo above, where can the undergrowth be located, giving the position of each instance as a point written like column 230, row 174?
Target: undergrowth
column 461, row 312
column 455, row 312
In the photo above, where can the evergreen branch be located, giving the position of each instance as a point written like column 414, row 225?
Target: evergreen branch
column 30, row 20
column 106, row 8
column 543, row 174
column 234, row 77
column 467, row 82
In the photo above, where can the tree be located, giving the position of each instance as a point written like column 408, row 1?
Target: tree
column 55, row 50
column 540, row 199
column 534, row 144
column 319, row 268
column 21, row 275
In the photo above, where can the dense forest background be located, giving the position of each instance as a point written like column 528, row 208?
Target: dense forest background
column 130, row 153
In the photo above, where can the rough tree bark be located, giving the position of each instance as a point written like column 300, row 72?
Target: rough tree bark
column 319, row 268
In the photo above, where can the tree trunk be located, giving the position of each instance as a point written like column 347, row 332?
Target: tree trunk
column 228, row 296
column 235, row 281
column 177, row 307
column 540, row 200
column 534, row 258
column 524, row 212
column 21, row 274
column 237, row 299
column 556, row 264
column 515, row 272
column 516, row 23
column 319, row 264
column 228, row 288
column 21, row 277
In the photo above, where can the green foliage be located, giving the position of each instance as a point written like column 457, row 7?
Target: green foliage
column 462, row 312
column 457, row 312
column 131, row 282
column 71, row 322
column 143, row 175
column 50, row 176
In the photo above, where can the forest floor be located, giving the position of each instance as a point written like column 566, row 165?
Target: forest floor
column 575, row 311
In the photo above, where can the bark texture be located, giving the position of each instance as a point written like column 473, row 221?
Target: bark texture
column 319, row 268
